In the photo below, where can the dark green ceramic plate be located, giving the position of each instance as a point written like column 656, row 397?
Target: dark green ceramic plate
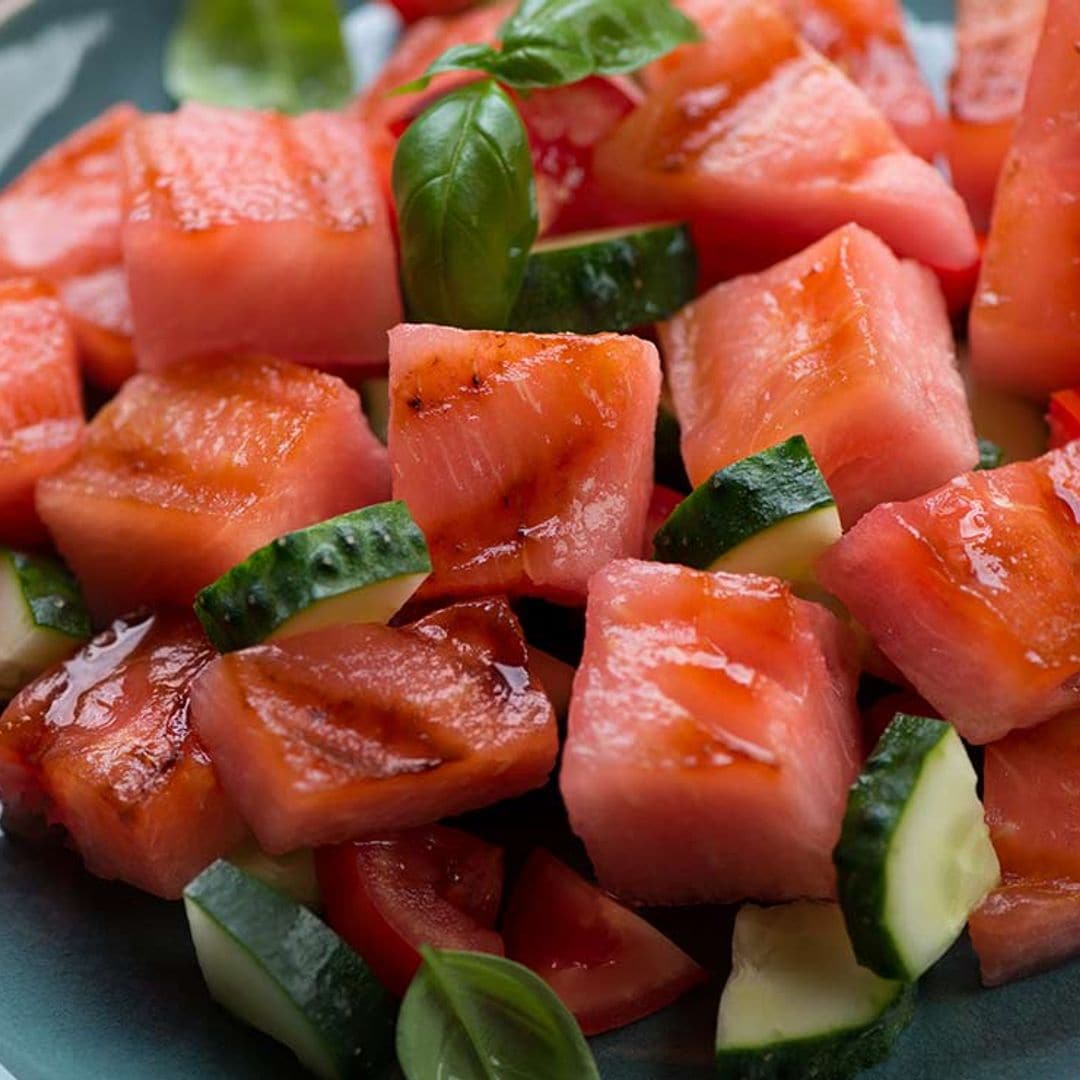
column 98, row 982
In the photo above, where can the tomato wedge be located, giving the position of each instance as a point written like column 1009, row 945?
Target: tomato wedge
column 428, row 886
column 1064, row 417
column 609, row 966
column 411, row 10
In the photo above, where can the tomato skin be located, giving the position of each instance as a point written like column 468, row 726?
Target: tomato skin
column 1064, row 417
column 609, row 966
column 661, row 506
column 412, row 10
column 433, row 885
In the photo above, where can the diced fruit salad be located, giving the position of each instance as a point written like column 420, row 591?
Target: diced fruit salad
column 553, row 481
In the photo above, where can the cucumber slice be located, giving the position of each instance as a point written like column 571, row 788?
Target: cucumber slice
column 914, row 857
column 797, row 1004
column 279, row 968
column 375, row 396
column 614, row 280
column 43, row 618
column 360, row 567
column 771, row 514
column 292, row 874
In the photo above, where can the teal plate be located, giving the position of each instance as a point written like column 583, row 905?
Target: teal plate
column 99, row 982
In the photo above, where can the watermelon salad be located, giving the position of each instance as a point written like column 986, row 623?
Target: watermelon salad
column 595, row 469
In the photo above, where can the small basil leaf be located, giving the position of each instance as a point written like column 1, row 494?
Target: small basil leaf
column 991, row 456
column 471, row 1015
column 287, row 55
column 466, row 202
column 556, row 42
column 458, row 58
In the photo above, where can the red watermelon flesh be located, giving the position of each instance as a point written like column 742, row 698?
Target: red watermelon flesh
column 764, row 147
column 41, row 408
column 186, row 472
column 254, row 232
column 844, row 344
column 1025, row 320
column 712, row 737
column 102, row 746
column 354, row 730
column 60, row 221
column 525, row 458
column 973, row 591
column 995, row 45
column 1025, row 926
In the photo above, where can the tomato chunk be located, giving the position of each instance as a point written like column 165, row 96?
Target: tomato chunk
column 411, row 10
column 608, row 966
column 186, row 472
column 41, row 408
column 347, row 732
column 1064, row 417
column 102, row 746
column 428, row 886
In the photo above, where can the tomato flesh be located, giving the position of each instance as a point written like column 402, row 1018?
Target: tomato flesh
column 1064, row 417
column 427, row 886
column 609, row 966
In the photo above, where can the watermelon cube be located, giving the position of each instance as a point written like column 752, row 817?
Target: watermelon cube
column 764, row 146
column 186, row 472
column 973, row 591
column 525, row 458
column 351, row 731
column 102, row 746
column 995, row 45
column 844, row 344
column 60, row 221
column 41, row 408
column 1025, row 321
column 254, row 232
column 712, row 738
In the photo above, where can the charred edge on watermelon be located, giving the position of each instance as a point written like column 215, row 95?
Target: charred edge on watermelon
column 914, row 857
column 771, row 1024
column 991, row 456
column 43, row 618
column 613, row 280
column 771, row 513
column 276, row 966
column 359, row 567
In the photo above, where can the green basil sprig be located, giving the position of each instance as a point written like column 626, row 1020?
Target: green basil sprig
column 287, row 55
column 471, row 1015
column 466, row 202
column 556, row 42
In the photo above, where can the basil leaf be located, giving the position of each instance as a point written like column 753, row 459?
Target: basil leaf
column 556, row 42
column 287, row 55
column 466, row 202
column 470, row 1015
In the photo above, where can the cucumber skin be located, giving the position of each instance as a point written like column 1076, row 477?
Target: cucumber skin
column 838, row 1056
column 250, row 601
column 875, row 807
column 51, row 593
column 359, row 1022
column 730, row 507
column 668, row 467
column 611, row 285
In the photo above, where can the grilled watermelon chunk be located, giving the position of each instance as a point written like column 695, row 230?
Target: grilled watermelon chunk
column 350, row 731
column 712, row 738
column 973, row 591
column 102, row 746
column 41, row 407
column 844, row 344
column 186, row 472
column 254, row 232
column 763, row 146
column 526, row 459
